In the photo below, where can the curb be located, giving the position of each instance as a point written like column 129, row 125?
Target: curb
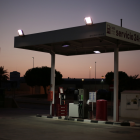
column 90, row 121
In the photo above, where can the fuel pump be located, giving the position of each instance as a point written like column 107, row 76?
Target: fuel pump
column 76, row 96
column 61, row 106
column 62, row 99
column 79, row 107
column 62, row 96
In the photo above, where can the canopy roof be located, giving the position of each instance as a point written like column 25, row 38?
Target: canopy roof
column 85, row 39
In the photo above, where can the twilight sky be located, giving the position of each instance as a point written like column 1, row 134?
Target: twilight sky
column 33, row 16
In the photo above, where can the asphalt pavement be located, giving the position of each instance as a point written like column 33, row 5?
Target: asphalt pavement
column 22, row 124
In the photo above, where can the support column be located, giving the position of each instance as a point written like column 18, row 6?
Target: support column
column 52, row 80
column 115, row 105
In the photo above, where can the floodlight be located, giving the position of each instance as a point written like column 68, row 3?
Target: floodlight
column 20, row 32
column 88, row 21
column 96, row 51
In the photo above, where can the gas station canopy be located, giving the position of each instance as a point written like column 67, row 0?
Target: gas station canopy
column 103, row 37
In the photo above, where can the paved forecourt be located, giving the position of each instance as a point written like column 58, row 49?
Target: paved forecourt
column 21, row 126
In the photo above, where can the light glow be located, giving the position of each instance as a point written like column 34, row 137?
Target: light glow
column 97, row 52
column 88, row 20
column 65, row 45
column 20, row 32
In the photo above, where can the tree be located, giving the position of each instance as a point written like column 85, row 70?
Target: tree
column 122, row 79
column 3, row 75
column 109, row 78
column 41, row 77
column 133, row 83
column 125, row 82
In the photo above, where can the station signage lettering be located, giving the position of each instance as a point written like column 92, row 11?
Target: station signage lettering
column 123, row 33
column 128, row 35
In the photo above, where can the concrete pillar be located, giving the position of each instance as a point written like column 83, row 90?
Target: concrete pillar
column 115, row 105
column 52, row 79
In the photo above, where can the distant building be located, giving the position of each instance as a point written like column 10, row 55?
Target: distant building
column 15, row 78
column 91, row 84
column 23, row 88
column 14, row 81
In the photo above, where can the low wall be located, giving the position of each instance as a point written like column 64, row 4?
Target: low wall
column 130, row 104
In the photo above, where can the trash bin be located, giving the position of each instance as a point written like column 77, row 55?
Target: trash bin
column 2, row 97
column 101, row 110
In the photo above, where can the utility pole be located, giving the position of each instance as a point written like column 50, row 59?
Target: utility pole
column 121, row 22
column 33, row 67
column 95, row 75
column 33, row 62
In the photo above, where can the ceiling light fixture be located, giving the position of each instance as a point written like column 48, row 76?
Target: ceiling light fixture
column 66, row 45
column 96, row 51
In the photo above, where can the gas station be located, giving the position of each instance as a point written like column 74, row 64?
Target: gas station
column 82, row 40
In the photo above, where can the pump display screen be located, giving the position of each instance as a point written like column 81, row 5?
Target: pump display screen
column 76, row 93
column 61, row 90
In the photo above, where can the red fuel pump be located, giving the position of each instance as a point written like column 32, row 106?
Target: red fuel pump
column 61, row 103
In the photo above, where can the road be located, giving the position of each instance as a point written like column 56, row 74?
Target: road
column 22, row 124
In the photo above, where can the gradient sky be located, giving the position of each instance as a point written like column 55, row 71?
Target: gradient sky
column 35, row 16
